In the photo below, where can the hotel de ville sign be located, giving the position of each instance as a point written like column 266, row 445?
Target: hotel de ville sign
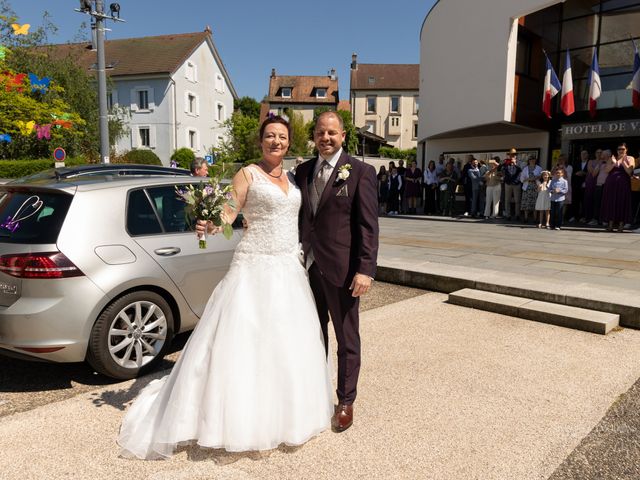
column 619, row 128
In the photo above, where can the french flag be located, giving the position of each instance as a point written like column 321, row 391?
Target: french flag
column 595, row 86
column 551, row 88
column 635, row 82
column 566, row 100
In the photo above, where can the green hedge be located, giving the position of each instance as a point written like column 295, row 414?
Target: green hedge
column 396, row 153
column 144, row 157
column 21, row 168
column 183, row 157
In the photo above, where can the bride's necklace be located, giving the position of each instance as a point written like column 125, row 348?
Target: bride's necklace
column 273, row 176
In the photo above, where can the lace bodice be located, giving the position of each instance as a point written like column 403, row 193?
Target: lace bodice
column 272, row 217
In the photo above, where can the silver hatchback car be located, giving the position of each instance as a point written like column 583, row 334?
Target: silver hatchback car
column 103, row 267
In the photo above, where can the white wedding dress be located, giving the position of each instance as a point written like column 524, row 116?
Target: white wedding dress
column 254, row 373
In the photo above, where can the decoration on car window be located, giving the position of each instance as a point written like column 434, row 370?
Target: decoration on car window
column 29, row 208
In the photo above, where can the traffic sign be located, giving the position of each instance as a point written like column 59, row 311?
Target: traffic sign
column 209, row 159
column 59, row 154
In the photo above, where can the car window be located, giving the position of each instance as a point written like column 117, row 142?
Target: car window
column 170, row 209
column 32, row 216
column 141, row 219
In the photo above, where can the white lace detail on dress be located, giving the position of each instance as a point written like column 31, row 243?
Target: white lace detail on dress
column 272, row 218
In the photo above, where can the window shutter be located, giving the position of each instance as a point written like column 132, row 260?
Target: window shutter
column 152, row 102
column 134, row 100
column 152, row 137
column 134, row 137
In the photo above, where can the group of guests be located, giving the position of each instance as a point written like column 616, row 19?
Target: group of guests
column 596, row 190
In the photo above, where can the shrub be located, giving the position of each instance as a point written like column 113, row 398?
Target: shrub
column 396, row 153
column 145, row 157
column 183, row 157
column 22, row 168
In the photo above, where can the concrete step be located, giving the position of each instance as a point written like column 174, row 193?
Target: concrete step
column 546, row 312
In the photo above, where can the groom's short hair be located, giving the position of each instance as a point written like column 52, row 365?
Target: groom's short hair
column 331, row 113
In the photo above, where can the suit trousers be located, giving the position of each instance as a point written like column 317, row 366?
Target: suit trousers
column 512, row 191
column 343, row 308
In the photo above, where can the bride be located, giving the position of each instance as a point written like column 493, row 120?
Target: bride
column 254, row 372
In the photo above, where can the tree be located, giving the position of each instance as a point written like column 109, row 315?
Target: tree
column 71, row 94
column 299, row 141
column 351, row 139
column 241, row 144
column 247, row 106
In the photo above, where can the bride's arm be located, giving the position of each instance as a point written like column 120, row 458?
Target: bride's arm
column 241, row 181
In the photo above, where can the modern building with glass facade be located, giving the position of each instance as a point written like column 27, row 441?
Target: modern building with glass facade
column 482, row 72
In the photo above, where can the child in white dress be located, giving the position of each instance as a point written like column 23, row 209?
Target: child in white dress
column 543, row 202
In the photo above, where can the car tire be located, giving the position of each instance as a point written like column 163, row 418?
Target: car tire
column 131, row 335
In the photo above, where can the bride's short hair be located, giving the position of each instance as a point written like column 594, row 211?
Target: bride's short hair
column 271, row 118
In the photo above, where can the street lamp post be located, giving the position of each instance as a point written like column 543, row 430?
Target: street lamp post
column 99, row 16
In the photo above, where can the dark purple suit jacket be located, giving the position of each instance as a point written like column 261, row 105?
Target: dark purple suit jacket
column 344, row 231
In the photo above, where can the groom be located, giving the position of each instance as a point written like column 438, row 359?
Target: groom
column 339, row 232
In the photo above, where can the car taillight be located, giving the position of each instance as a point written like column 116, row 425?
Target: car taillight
column 39, row 265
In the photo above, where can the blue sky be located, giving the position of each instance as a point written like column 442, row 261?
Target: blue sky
column 296, row 37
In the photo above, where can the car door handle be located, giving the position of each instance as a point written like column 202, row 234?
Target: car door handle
column 167, row 251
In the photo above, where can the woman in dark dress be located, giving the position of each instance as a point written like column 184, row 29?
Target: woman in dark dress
column 383, row 189
column 413, row 189
column 616, row 194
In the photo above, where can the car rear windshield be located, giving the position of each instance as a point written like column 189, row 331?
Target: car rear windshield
column 32, row 216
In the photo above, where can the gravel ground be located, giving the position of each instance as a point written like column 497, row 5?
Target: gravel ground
column 27, row 385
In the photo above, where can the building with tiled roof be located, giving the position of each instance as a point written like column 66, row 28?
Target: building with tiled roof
column 174, row 90
column 384, row 100
column 300, row 93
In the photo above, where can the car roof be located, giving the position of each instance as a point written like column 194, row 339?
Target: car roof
column 101, row 169
column 83, row 184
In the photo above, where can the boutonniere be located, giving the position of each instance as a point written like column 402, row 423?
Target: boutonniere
column 343, row 172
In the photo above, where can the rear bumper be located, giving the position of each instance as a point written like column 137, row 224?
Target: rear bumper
column 63, row 319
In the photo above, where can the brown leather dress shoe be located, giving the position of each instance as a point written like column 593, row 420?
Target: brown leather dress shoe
column 342, row 418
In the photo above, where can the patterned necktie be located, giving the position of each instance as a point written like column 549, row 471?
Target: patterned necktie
column 319, row 183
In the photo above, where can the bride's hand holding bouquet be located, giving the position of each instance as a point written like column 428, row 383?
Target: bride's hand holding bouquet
column 206, row 203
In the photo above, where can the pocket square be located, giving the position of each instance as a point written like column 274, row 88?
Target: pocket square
column 343, row 192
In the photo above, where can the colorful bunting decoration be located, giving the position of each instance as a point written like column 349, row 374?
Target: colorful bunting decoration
column 5, row 137
column 43, row 131
column 39, row 84
column 26, row 127
column 20, row 29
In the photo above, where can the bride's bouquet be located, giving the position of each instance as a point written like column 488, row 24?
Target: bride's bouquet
column 207, row 202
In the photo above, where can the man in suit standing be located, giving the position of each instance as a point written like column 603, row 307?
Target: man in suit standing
column 339, row 233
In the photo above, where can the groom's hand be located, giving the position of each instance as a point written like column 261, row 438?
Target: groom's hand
column 360, row 284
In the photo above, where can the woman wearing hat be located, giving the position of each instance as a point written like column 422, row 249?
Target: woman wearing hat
column 492, row 180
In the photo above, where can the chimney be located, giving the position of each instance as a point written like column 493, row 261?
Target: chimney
column 208, row 30
column 332, row 74
column 354, row 61
column 273, row 73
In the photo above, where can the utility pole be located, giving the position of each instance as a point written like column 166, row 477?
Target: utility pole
column 99, row 17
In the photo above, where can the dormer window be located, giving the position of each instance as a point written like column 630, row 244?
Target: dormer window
column 321, row 93
column 286, row 92
column 372, row 80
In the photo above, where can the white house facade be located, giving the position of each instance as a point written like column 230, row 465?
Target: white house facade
column 172, row 91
